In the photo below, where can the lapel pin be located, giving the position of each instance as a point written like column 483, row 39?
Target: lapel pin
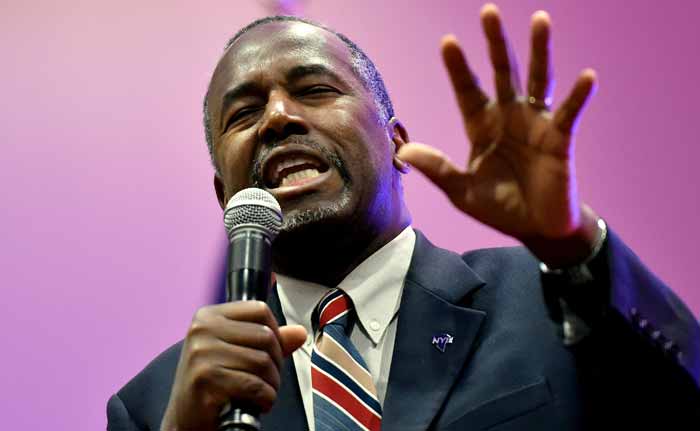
column 441, row 341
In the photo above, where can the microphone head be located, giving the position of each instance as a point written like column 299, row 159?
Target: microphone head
column 253, row 206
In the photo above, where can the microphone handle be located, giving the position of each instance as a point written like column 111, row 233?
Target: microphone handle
column 247, row 278
column 249, row 264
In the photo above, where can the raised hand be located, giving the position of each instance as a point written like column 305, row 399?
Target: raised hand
column 520, row 177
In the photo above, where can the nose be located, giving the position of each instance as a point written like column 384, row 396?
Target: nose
column 281, row 119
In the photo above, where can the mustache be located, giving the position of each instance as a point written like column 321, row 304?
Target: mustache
column 257, row 178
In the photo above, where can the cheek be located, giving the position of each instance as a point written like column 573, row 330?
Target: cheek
column 235, row 160
column 363, row 140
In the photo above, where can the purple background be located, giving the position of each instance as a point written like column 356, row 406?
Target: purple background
column 111, row 234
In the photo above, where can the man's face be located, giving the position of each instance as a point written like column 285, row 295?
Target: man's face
column 289, row 115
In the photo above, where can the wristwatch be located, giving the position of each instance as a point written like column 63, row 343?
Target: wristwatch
column 569, row 303
column 580, row 273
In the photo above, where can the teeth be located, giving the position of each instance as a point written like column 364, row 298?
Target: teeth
column 297, row 176
column 294, row 161
column 289, row 163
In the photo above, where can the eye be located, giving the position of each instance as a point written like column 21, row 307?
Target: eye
column 241, row 114
column 317, row 89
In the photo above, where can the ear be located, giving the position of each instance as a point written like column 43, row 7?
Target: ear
column 220, row 190
column 399, row 136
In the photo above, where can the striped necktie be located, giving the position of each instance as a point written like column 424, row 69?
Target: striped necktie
column 344, row 396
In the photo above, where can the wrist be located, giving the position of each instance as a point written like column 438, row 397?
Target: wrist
column 576, row 248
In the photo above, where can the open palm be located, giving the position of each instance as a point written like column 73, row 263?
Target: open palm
column 520, row 177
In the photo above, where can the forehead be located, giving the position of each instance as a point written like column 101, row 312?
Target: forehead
column 272, row 48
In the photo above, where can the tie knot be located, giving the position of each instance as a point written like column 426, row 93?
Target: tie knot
column 334, row 308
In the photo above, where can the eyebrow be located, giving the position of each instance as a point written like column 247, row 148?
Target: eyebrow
column 298, row 72
column 294, row 74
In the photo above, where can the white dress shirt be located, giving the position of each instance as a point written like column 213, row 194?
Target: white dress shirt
column 375, row 287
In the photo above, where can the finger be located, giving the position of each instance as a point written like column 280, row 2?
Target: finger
column 253, row 361
column 567, row 116
column 250, row 335
column 246, row 387
column 248, row 311
column 502, row 58
column 292, row 337
column 470, row 97
column 540, row 76
column 246, row 323
column 435, row 165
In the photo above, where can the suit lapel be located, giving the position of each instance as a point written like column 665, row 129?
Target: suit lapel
column 421, row 374
column 288, row 411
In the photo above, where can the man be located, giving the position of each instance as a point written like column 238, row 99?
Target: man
column 490, row 339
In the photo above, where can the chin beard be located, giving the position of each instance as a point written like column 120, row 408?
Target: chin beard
column 305, row 219
column 314, row 240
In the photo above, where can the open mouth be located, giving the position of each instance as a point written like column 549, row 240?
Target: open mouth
column 292, row 166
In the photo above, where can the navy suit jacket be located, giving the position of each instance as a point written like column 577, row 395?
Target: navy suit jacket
column 507, row 367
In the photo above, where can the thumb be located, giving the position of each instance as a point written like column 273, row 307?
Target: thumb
column 435, row 165
column 291, row 337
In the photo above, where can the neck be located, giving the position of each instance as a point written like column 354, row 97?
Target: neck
column 326, row 253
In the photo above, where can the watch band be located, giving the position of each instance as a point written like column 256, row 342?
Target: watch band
column 581, row 270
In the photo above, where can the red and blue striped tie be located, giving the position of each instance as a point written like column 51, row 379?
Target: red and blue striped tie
column 343, row 391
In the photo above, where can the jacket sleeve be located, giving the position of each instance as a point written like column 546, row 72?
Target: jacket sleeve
column 118, row 417
column 642, row 344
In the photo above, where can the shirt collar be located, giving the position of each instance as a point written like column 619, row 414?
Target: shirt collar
column 374, row 286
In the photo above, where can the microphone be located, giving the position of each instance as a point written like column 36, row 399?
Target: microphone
column 253, row 219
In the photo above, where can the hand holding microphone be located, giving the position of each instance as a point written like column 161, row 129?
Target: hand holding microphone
column 233, row 351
